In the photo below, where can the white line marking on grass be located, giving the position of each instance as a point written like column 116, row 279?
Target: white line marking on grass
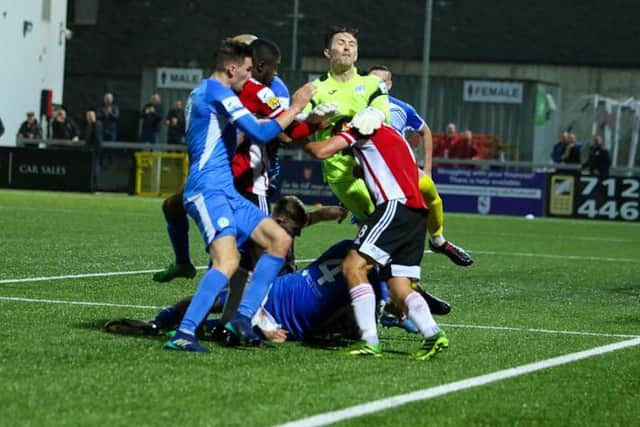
column 308, row 260
column 538, row 331
column 97, row 304
column 449, row 325
column 85, row 275
column 564, row 257
column 433, row 392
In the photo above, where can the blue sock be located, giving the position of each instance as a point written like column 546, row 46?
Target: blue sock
column 178, row 229
column 210, row 286
column 267, row 269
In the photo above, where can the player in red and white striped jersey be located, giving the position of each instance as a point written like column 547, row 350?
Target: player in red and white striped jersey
column 393, row 237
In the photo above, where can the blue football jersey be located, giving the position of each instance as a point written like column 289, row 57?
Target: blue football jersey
column 213, row 115
column 279, row 88
column 301, row 301
column 404, row 116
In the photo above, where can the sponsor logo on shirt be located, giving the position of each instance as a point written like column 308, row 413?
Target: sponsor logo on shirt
column 359, row 89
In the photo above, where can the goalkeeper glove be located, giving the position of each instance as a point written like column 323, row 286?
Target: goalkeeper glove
column 367, row 121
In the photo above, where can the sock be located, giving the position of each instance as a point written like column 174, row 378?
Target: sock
column 438, row 240
column 419, row 313
column 363, row 301
column 178, row 229
column 210, row 286
column 267, row 269
column 168, row 318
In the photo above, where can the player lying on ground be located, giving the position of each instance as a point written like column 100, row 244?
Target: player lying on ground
column 301, row 306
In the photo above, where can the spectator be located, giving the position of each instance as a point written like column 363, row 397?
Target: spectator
column 109, row 114
column 443, row 147
column 175, row 124
column 566, row 150
column 559, row 147
column 93, row 137
column 463, row 148
column 63, row 127
column 151, row 118
column 599, row 160
column 30, row 128
column 94, row 132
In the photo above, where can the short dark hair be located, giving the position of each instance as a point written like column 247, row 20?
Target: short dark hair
column 335, row 30
column 380, row 67
column 292, row 208
column 265, row 50
column 229, row 51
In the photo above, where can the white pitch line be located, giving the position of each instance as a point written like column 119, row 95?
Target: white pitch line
column 449, row 325
column 89, row 303
column 433, row 392
column 307, row 260
column 84, row 275
column 535, row 330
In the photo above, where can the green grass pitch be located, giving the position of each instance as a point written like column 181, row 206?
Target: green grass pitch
column 538, row 279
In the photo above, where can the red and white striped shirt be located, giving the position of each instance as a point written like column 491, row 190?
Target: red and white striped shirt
column 390, row 168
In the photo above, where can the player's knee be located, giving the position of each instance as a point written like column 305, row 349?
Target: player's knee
column 354, row 269
column 228, row 263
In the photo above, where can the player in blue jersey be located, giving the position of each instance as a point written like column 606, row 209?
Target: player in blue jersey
column 214, row 115
column 404, row 117
column 300, row 306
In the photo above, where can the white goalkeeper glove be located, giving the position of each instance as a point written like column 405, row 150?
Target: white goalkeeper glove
column 322, row 112
column 367, row 121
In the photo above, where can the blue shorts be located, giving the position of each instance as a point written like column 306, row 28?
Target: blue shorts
column 220, row 214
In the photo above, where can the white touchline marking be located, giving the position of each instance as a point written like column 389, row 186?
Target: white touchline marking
column 535, row 330
column 449, row 325
column 96, row 304
column 85, row 275
column 432, row 392
column 308, row 260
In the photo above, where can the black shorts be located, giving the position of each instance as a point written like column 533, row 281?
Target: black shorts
column 394, row 237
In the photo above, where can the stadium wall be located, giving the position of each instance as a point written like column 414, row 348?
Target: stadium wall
column 34, row 37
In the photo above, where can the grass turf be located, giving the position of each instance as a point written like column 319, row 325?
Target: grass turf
column 59, row 368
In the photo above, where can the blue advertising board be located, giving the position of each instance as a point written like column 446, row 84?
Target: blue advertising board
column 491, row 191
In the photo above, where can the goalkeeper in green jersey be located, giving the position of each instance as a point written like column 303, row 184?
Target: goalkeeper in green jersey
column 351, row 93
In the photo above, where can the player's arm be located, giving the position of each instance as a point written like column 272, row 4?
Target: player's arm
column 265, row 132
column 427, row 143
column 326, row 213
column 324, row 149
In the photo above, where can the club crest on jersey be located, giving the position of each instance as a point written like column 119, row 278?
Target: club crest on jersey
column 359, row 89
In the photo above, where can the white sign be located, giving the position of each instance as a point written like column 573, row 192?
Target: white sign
column 491, row 91
column 178, row 78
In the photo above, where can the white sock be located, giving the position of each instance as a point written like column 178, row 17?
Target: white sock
column 363, row 301
column 438, row 240
column 419, row 313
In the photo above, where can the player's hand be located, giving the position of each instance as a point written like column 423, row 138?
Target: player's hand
column 302, row 96
column 367, row 121
column 277, row 336
column 322, row 113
